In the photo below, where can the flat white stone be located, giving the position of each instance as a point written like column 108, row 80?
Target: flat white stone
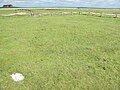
column 17, row 77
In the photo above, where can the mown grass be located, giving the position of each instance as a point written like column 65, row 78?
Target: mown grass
column 60, row 52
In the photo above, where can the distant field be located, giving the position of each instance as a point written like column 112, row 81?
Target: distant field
column 60, row 52
column 110, row 11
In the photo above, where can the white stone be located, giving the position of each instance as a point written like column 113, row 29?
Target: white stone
column 17, row 77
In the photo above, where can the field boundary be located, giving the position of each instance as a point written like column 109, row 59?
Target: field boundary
column 33, row 13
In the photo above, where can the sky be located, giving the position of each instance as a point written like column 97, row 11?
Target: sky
column 63, row 3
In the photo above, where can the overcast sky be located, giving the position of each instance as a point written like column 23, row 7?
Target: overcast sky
column 63, row 3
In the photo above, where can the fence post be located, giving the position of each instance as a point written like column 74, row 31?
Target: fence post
column 115, row 15
column 88, row 13
column 100, row 14
column 32, row 14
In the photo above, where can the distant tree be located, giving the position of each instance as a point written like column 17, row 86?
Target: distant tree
column 8, row 6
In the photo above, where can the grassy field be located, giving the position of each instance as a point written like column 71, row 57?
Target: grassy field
column 60, row 52
column 100, row 10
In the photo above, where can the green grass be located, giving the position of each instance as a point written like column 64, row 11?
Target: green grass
column 96, row 10
column 60, row 52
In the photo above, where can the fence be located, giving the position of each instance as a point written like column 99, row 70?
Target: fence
column 34, row 13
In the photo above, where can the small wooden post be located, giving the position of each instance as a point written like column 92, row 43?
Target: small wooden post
column 100, row 14
column 88, row 13
column 116, row 15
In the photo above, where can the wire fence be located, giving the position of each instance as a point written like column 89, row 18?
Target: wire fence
column 51, row 13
